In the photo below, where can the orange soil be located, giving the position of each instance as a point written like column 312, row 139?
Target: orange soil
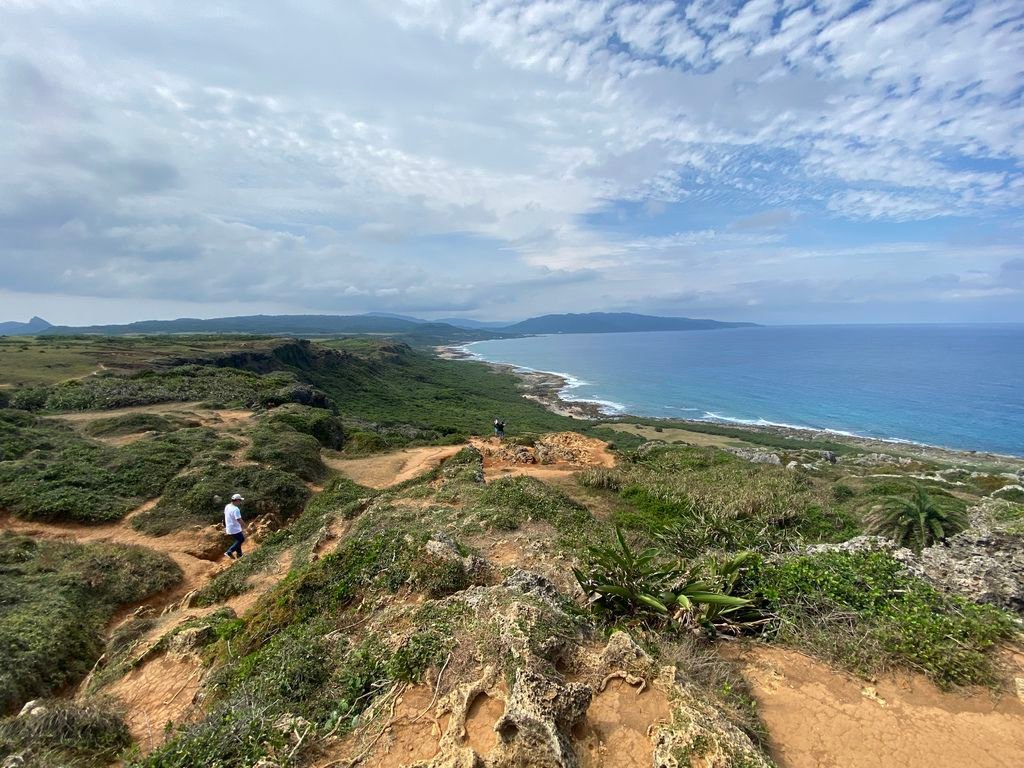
column 392, row 468
column 160, row 691
column 819, row 718
column 615, row 731
column 594, row 453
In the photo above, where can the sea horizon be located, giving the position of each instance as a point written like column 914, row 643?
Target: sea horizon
column 915, row 390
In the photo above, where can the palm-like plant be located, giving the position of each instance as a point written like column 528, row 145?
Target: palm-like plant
column 624, row 582
column 916, row 522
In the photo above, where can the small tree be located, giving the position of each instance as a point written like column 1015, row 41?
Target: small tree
column 916, row 522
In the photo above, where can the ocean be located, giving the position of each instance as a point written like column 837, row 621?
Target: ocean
column 957, row 386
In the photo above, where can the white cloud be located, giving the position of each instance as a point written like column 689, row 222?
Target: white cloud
column 361, row 155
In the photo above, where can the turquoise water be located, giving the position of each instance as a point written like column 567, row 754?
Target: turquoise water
column 956, row 386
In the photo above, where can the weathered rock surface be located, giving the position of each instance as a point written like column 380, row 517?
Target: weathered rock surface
column 541, row 677
column 756, row 457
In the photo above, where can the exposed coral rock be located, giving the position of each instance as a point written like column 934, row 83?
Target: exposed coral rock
column 544, row 721
column 699, row 735
column 756, row 457
column 982, row 565
column 538, row 719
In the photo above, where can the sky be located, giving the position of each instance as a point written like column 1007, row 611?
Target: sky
column 771, row 161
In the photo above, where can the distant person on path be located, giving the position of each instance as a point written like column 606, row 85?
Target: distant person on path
column 233, row 526
column 499, row 428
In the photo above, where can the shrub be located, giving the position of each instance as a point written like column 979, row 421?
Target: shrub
column 283, row 448
column 316, row 422
column 653, row 585
column 198, row 498
column 439, row 576
column 365, row 442
column 66, row 477
column 66, row 732
column 54, row 600
column 841, row 492
column 601, row 478
column 919, row 521
column 508, row 502
column 134, row 423
column 862, row 609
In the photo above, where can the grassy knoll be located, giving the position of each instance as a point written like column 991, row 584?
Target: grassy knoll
column 198, row 497
column 55, row 598
column 48, row 471
column 391, row 384
column 709, row 433
column 709, row 499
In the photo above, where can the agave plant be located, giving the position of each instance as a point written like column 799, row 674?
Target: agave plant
column 916, row 522
column 648, row 583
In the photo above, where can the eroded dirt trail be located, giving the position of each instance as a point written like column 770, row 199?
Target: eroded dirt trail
column 385, row 470
column 819, row 718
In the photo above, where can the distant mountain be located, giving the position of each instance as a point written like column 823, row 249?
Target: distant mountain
column 32, row 327
column 476, row 325
column 417, row 332
column 615, row 322
column 393, row 316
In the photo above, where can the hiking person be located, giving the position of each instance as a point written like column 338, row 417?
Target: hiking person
column 499, row 428
column 233, row 526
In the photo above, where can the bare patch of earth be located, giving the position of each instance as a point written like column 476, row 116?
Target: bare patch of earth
column 820, row 718
column 389, row 469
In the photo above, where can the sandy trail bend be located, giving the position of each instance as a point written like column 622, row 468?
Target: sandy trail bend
column 819, row 718
column 389, row 469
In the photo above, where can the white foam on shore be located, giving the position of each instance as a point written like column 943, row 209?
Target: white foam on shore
column 607, row 407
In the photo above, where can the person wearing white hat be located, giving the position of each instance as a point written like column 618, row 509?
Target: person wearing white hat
column 233, row 526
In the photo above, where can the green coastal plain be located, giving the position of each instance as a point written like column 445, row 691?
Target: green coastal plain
column 407, row 578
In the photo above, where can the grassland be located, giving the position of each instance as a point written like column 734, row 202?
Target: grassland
column 380, row 607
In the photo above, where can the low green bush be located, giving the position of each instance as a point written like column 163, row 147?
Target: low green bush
column 316, row 422
column 864, row 610
column 66, row 733
column 198, row 497
column 509, row 502
column 64, row 476
column 281, row 447
column 221, row 387
column 438, row 576
column 361, row 442
column 55, row 598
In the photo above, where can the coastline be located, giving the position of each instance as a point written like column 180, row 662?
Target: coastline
column 540, row 386
column 546, row 388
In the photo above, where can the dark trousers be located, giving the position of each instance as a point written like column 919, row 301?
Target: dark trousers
column 237, row 546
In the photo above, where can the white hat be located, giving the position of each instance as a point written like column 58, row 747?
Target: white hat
column 238, row 497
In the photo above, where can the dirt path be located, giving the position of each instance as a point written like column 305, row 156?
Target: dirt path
column 392, row 468
column 819, row 718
